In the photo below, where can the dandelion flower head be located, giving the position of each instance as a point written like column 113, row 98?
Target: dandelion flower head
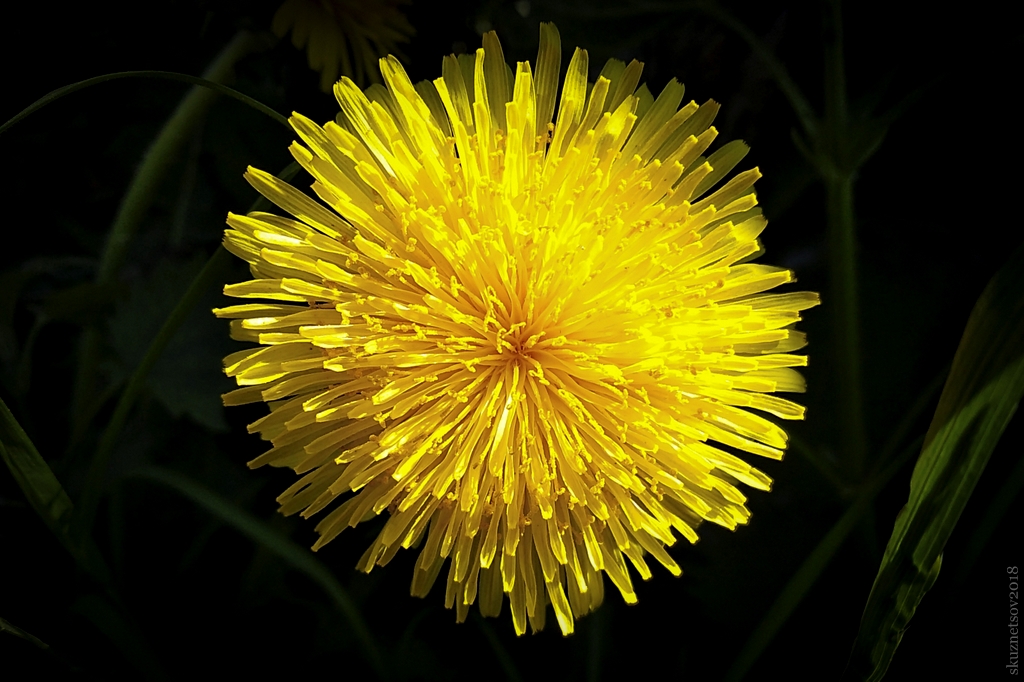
column 537, row 347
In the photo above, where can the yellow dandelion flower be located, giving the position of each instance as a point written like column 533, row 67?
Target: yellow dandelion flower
column 531, row 344
column 345, row 35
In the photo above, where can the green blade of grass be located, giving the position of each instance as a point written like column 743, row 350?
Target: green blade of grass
column 18, row 632
column 45, row 494
column 984, row 387
column 297, row 557
column 35, row 478
column 47, row 497
column 44, row 648
column 997, row 509
column 816, row 562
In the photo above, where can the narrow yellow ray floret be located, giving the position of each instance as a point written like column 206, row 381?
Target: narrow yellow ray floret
column 528, row 343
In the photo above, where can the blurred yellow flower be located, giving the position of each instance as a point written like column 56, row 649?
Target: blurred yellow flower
column 535, row 346
column 343, row 37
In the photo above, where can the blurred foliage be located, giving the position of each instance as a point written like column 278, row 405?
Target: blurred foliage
column 186, row 380
column 187, row 564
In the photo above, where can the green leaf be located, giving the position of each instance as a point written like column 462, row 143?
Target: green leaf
column 18, row 632
column 45, row 493
column 35, row 478
column 983, row 532
column 262, row 534
column 981, row 395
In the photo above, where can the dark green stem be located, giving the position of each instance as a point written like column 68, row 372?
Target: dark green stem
column 846, row 322
column 838, row 175
column 837, row 121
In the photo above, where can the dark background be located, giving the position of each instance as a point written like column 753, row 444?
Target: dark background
column 937, row 215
